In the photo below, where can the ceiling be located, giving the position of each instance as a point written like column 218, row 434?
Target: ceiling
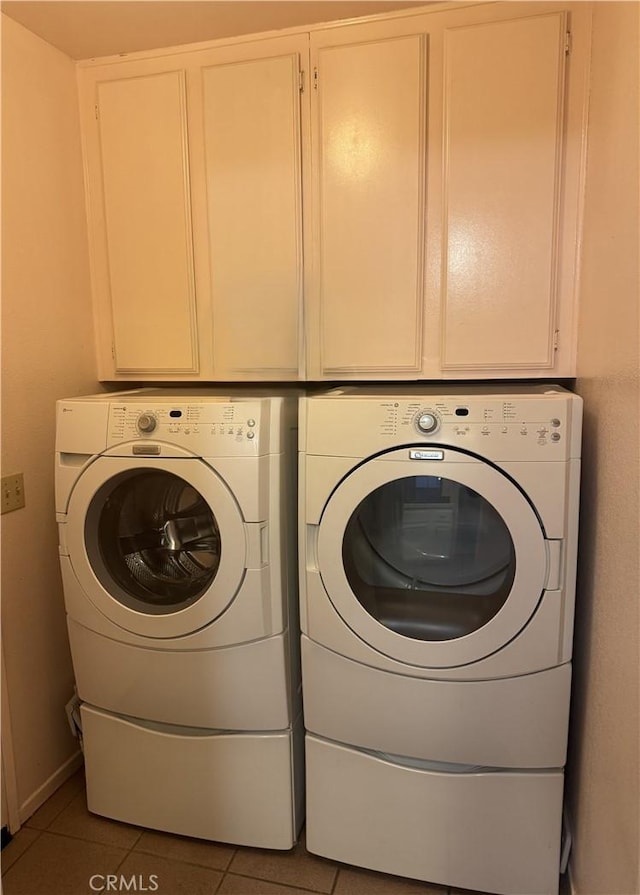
column 84, row 29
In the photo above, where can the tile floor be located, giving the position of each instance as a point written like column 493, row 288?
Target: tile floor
column 62, row 846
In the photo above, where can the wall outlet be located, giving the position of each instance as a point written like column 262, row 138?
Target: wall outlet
column 12, row 492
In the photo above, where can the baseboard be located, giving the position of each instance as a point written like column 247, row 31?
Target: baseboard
column 55, row 781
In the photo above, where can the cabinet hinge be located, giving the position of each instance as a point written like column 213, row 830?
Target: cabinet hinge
column 96, row 110
column 301, row 80
column 556, row 339
column 567, row 43
column 315, row 79
column 113, row 351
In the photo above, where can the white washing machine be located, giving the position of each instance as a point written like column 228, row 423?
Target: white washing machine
column 438, row 543
column 176, row 515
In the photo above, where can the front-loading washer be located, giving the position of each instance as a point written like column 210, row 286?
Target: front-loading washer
column 177, row 548
column 438, row 538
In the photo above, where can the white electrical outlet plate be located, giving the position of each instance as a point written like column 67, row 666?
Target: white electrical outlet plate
column 12, row 492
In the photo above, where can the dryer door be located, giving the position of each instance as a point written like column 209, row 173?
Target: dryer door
column 433, row 557
column 159, row 546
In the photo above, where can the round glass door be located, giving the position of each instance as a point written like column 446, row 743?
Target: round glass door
column 434, row 563
column 158, row 546
column 428, row 557
column 153, row 541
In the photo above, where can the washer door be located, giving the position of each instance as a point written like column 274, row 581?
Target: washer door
column 434, row 563
column 158, row 546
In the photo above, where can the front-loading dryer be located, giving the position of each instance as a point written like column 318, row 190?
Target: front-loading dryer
column 438, row 537
column 177, row 549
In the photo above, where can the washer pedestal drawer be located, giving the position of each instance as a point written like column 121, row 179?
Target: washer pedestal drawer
column 493, row 831
column 218, row 785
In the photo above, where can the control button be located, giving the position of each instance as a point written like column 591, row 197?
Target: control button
column 523, row 431
column 251, row 423
column 427, row 422
column 251, row 434
column 146, row 422
column 555, row 436
column 504, row 430
column 555, row 423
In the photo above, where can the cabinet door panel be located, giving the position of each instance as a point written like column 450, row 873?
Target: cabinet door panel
column 504, row 85
column 370, row 156
column 252, row 159
column 145, row 181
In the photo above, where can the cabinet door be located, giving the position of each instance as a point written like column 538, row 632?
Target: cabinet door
column 247, row 121
column 140, row 222
column 504, row 89
column 369, row 159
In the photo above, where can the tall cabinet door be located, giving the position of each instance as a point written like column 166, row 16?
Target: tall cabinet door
column 504, row 90
column 140, row 221
column 246, row 122
column 369, row 161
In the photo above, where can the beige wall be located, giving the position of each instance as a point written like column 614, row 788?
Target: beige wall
column 48, row 352
column 603, row 785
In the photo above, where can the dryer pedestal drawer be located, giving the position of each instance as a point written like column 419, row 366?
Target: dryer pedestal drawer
column 518, row 722
column 497, row 831
column 227, row 787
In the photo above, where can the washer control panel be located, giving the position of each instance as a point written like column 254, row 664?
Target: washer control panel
column 211, row 428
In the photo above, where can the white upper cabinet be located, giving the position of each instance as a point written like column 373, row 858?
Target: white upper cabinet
column 194, row 176
column 447, row 153
column 247, row 156
column 369, row 153
column 140, row 217
column 503, row 149
column 396, row 198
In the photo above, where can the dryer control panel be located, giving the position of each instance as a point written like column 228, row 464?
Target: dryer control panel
column 536, row 426
column 506, row 421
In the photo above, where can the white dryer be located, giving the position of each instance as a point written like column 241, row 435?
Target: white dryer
column 177, row 552
column 438, row 553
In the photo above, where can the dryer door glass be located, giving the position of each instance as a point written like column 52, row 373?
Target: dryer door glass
column 428, row 557
column 152, row 540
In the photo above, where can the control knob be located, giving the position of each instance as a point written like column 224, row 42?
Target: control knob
column 427, row 422
column 147, row 423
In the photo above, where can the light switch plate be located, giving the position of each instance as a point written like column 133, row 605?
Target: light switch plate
column 12, row 492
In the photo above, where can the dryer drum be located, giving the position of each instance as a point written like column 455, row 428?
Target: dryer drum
column 429, row 558
column 154, row 537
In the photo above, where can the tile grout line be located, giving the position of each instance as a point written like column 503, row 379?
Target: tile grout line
column 270, row 882
column 64, row 807
column 21, row 856
column 128, row 853
column 335, row 880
